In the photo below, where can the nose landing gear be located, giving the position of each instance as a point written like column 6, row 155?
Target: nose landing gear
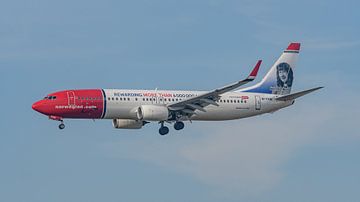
column 62, row 125
column 58, row 118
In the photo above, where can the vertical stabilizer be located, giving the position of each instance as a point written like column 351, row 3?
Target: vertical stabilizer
column 279, row 78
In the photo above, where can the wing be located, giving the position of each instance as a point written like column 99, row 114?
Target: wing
column 188, row 107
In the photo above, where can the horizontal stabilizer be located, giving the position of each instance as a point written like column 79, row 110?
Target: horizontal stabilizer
column 296, row 95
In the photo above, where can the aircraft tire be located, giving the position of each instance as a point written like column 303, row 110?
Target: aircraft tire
column 61, row 126
column 164, row 130
column 179, row 125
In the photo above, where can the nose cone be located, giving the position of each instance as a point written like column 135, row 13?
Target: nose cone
column 36, row 106
column 39, row 107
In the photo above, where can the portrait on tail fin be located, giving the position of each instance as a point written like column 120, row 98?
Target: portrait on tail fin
column 284, row 77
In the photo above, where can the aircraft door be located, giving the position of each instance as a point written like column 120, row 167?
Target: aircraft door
column 161, row 100
column 71, row 98
column 157, row 100
column 257, row 102
column 154, row 99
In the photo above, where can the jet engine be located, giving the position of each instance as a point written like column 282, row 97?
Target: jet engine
column 127, row 124
column 152, row 113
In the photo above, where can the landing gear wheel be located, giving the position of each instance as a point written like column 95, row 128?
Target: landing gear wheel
column 179, row 125
column 163, row 130
column 61, row 126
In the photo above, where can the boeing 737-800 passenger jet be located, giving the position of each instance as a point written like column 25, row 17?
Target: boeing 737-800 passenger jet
column 132, row 109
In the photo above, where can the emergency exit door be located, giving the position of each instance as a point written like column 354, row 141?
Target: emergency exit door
column 257, row 102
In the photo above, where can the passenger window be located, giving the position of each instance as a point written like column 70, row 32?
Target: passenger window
column 112, row 98
column 128, row 99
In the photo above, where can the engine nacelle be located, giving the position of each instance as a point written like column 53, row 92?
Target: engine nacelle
column 127, row 124
column 152, row 113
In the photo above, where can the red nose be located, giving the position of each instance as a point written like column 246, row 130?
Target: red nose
column 39, row 107
column 35, row 106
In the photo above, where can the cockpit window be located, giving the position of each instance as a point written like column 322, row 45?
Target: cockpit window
column 50, row 98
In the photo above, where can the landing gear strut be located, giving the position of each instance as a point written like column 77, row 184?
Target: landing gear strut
column 163, row 129
column 179, row 125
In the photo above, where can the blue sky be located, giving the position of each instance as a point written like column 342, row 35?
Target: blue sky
column 308, row 152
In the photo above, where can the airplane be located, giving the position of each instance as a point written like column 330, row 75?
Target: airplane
column 132, row 109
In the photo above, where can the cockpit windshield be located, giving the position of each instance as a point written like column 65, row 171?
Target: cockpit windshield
column 50, row 98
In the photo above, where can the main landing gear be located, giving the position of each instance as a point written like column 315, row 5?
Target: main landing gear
column 179, row 125
column 163, row 129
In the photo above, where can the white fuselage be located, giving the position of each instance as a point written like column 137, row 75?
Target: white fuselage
column 122, row 104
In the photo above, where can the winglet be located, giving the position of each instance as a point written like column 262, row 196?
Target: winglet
column 255, row 70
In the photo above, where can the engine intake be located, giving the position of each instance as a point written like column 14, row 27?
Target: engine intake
column 152, row 113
